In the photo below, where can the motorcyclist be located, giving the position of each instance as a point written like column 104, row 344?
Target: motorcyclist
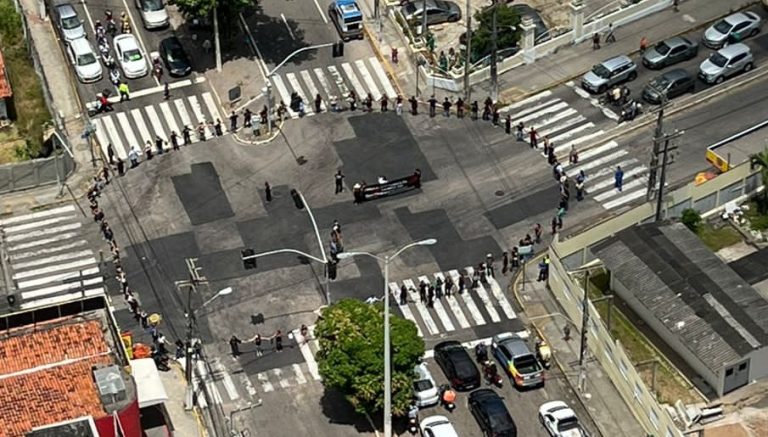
column 114, row 76
column 413, row 412
column 542, row 350
column 104, row 104
column 125, row 23
column 99, row 29
column 449, row 396
column 110, row 23
column 481, row 352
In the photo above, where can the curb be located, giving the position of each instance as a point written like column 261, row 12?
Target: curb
column 275, row 132
column 539, row 332
column 387, row 66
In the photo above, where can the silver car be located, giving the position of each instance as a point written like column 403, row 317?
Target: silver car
column 438, row 11
column 68, row 22
column 732, row 28
column 726, row 62
column 153, row 13
column 609, row 73
column 84, row 59
column 670, row 51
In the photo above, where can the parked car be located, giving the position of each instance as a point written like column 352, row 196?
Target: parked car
column 130, row 57
column 491, row 413
column 84, row 59
column 732, row 28
column 609, row 73
column 726, row 62
column 669, row 85
column 670, row 51
column 517, row 359
column 69, row 24
column 347, row 18
column 175, row 58
column 457, row 365
column 437, row 426
column 560, row 421
column 153, row 13
column 438, row 11
column 424, row 388
column 540, row 32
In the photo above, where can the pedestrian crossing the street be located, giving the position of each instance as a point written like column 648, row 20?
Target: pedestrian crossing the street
column 484, row 304
column 49, row 257
column 136, row 126
column 362, row 76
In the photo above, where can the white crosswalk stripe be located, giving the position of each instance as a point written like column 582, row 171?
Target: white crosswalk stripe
column 363, row 76
column 472, row 307
column 137, row 126
column 49, row 259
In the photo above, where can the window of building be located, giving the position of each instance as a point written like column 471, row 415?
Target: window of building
column 654, row 418
column 638, row 393
column 623, row 369
column 742, row 367
column 729, row 372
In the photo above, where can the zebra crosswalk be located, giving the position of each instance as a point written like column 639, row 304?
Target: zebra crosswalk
column 565, row 129
column 362, row 76
column 484, row 304
column 136, row 126
column 49, row 257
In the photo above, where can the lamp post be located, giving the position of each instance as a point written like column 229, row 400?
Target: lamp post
column 387, row 352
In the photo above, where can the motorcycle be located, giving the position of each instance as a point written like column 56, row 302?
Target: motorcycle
column 101, row 105
column 105, row 53
column 109, row 22
column 448, row 403
column 543, row 353
column 629, row 111
column 616, row 96
column 492, row 375
column 413, row 419
column 161, row 360
column 114, row 76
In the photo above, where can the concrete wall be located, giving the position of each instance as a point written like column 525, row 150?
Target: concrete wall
column 758, row 366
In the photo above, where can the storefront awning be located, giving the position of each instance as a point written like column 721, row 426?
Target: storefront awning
column 150, row 387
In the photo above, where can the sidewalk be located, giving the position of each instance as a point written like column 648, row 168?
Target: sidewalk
column 601, row 398
column 185, row 423
column 569, row 62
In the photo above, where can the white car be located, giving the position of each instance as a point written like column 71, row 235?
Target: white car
column 83, row 58
column 437, row 426
column 130, row 57
column 424, row 388
column 153, row 13
column 560, row 420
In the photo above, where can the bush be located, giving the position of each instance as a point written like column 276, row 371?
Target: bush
column 691, row 219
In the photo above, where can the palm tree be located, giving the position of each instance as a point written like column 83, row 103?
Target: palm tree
column 761, row 160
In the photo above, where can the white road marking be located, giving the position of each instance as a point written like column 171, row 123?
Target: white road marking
column 49, row 250
column 37, row 224
column 577, row 141
column 437, row 305
column 377, row 68
column 609, row 182
column 51, row 259
column 285, row 96
column 294, row 81
column 37, row 215
column 287, row 26
column 498, row 294
column 640, row 182
column 339, row 81
column 143, row 131
column 625, row 199
column 61, row 298
column 359, row 89
column 407, row 313
column 198, row 111
column 154, row 120
column 51, row 269
column 368, row 79
column 555, row 118
column 41, row 232
column 34, row 294
column 533, row 98
column 184, row 115
column 594, row 152
column 125, row 125
column 284, row 383
column 266, row 386
column 536, row 108
column 312, row 89
column 598, row 162
column 480, row 290
column 212, row 108
column 538, row 114
column 322, row 13
column 300, row 379
column 226, row 379
column 165, row 109
column 323, row 82
column 477, row 316
column 309, row 357
column 34, row 243
column 421, row 308
column 453, row 303
column 568, row 134
column 208, row 381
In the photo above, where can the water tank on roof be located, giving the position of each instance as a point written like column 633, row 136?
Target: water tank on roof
column 110, row 383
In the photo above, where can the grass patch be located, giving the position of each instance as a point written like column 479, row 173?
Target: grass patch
column 669, row 386
column 31, row 112
column 716, row 238
column 758, row 222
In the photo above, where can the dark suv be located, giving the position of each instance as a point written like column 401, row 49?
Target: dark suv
column 491, row 413
column 457, row 365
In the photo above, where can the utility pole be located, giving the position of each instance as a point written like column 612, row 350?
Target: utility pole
column 468, row 58
column 424, row 21
column 494, row 69
column 664, row 163
column 195, row 279
column 657, row 140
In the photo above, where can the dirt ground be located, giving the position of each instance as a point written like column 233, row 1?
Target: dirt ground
column 746, row 413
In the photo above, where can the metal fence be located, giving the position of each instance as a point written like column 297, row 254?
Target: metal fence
column 38, row 172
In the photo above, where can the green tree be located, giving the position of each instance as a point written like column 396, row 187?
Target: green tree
column 508, row 30
column 227, row 10
column 691, row 219
column 351, row 357
column 761, row 160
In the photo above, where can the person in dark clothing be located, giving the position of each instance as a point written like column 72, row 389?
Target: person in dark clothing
column 338, row 179
column 439, row 288
column 159, row 145
column 432, row 106
column 369, row 103
column 504, row 262
column 384, row 103
column 473, row 110
column 217, row 128
column 520, row 131
column 448, row 286
column 234, row 345
column 111, row 153
column 508, row 124
column 233, row 121
column 462, row 283
column 278, row 338
column 267, row 191
column 460, row 108
column 187, row 135
column 403, row 295
column 120, row 167
column 422, row 292
column 595, row 41
column 447, row 107
column 496, row 115
column 414, row 105
column 534, row 137
column 431, row 296
column 174, row 140
column 247, row 118
column 318, row 103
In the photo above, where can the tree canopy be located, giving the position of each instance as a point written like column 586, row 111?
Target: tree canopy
column 507, row 30
column 351, row 357
column 204, row 8
column 761, row 160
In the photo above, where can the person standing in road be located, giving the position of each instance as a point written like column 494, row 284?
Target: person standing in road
column 504, row 263
column 414, row 105
column 399, row 105
column 447, row 107
column 110, row 153
column 595, row 41
column 384, row 103
column 256, row 340
column 448, row 286
column 186, row 134
column 422, row 292
column 233, row 121
column 133, row 156
column 124, row 92
column 432, row 105
column 247, row 117
column 520, row 131
column 278, row 339
column 643, row 45
column 534, row 137
column 318, row 103
column 430, row 296
column 234, row 345
column 159, row 144
column 537, row 231
column 267, row 191
column 338, row 179
column 618, row 178
column 166, row 91
column 403, row 295
column 581, row 178
column 460, row 108
column 120, row 167
column 174, row 140
column 217, row 128
column 508, row 124
column 473, row 108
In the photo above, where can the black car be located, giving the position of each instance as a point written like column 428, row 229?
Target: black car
column 174, row 57
column 457, row 365
column 669, row 85
column 491, row 413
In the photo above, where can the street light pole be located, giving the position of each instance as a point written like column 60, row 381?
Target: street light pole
column 387, row 342
column 494, row 67
column 468, row 59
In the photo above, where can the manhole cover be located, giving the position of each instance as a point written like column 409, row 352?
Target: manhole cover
column 499, row 193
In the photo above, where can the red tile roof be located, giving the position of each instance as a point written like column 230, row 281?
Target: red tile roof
column 5, row 83
column 45, row 374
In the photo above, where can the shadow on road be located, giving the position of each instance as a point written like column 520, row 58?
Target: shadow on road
column 275, row 40
column 339, row 411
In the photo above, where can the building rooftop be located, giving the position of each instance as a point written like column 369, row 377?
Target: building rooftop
column 698, row 297
column 46, row 372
